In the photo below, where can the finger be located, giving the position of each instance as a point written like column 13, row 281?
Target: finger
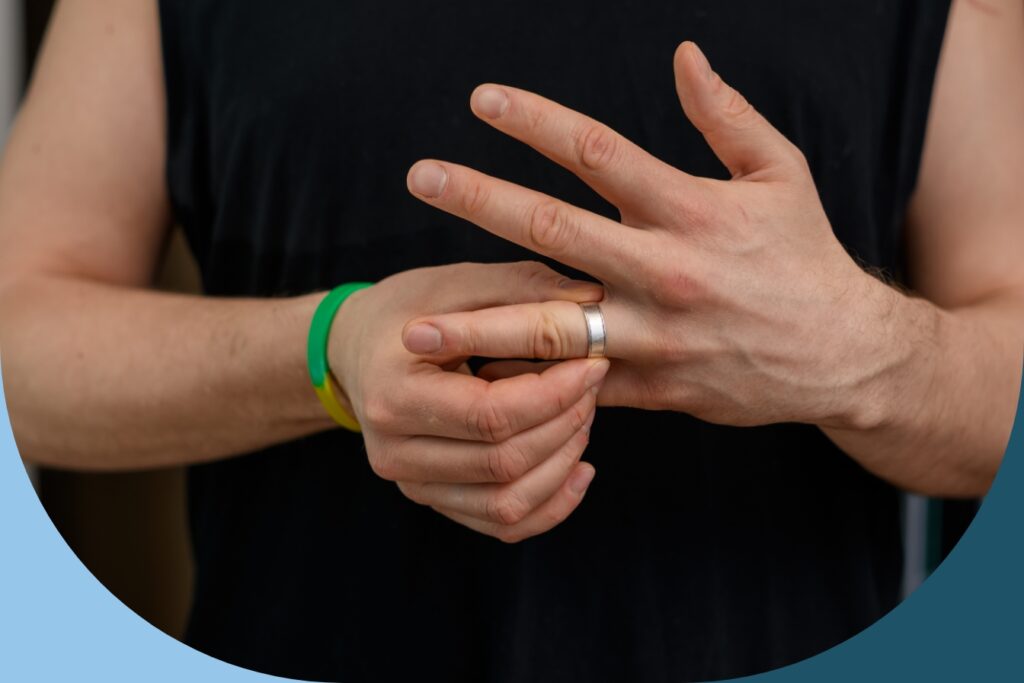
column 501, row 369
column 435, row 459
column 507, row 503
column 741, row 138
column 457, row 406
column 549, row 330
column 467, row 286
column 580, row 239
column 550, row 514
column 616, row 168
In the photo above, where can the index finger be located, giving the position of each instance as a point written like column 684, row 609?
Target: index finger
column 459, row 406
column 615, row 167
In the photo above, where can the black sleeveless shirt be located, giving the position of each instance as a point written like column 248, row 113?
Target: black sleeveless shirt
column 700, row 551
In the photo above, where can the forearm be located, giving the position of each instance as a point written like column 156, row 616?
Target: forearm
column 939, row 398
column 103, row 377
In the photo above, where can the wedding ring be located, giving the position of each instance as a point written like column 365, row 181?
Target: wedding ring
column 596, row 335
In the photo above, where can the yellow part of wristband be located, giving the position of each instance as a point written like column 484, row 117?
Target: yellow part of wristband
column 332, row 405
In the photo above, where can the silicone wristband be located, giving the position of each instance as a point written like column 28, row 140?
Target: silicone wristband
column 324, row 382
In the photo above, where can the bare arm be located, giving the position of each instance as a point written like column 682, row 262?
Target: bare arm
column 955, row 359
column 99, row 372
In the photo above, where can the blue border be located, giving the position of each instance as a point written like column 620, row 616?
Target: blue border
column 57, row 622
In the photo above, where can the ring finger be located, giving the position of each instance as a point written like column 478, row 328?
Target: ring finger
column 551, row 330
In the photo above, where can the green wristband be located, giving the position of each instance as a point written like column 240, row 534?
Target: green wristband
column 316, row 352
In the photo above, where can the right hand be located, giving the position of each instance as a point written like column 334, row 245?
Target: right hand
column 499, row 457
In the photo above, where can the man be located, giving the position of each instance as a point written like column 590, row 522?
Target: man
column 275, row 135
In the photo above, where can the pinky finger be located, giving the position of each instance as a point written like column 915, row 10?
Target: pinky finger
column 546, row 517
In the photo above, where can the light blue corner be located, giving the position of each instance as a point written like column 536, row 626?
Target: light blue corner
column 57, row 623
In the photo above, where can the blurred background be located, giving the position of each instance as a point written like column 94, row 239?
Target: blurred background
column 130, row 529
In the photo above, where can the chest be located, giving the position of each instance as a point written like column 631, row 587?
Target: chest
column 327, row 104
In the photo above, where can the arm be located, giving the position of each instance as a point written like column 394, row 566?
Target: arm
column 955, row 354
column 99, row 372
column 102, row 374
column 733, row 301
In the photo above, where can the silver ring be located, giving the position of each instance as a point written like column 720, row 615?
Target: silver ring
column 596, row 334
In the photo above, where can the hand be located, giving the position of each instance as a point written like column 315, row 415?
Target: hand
column 729, row 300
column 499, row 457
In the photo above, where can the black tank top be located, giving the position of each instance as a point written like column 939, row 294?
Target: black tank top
column 700, row 551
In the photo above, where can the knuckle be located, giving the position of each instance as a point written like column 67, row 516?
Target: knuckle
column 736, row 108
column 697, row 210
column 384, row 465
column 797, row 159
column 507, row 507
column 551, row 228
column 556, row 399
column 506, row 462
column 486, row 422
column 577, row 418
column 474, row 198
column 596, row 147
column 534, row 119
column 378, row 413
column 577, row 445
column 678, row 286
column 462, row 337
column 547, row 339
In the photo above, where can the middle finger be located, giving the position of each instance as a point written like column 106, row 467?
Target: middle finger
column 580, row 239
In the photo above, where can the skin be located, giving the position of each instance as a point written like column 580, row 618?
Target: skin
column 101, row 373
column 733, row 300
column 501, row 457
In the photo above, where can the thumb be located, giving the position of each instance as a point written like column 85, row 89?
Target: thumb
column 741, row 138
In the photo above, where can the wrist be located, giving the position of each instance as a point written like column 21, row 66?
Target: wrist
column 318, row 357
column 343, row 346
column 884, row 357
column 300, row 316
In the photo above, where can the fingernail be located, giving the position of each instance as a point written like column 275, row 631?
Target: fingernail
column 423, row 338
column 590, row 421
column 598, row 369
column 428, row 179
column 581, row 479
column 491, row 102
column 701, row 61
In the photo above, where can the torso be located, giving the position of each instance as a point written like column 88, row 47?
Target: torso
column 700, row 551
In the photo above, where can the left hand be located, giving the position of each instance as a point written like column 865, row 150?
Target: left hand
column 729, row 300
